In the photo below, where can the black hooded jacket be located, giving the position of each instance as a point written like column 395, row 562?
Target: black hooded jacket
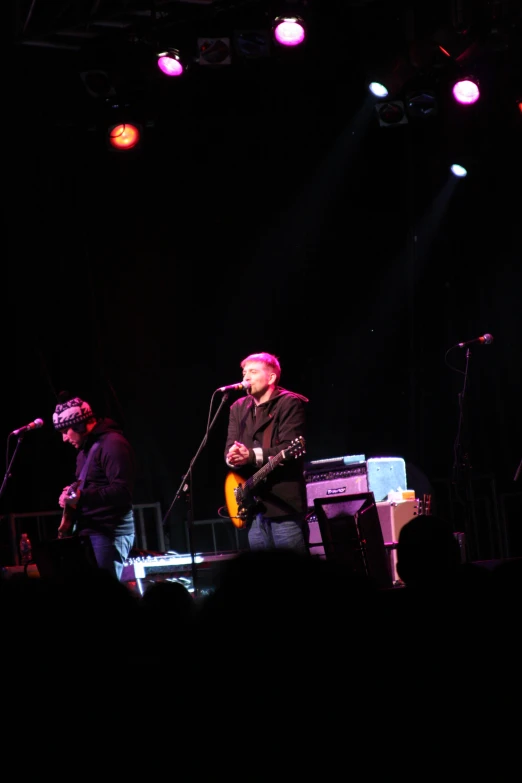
column 105, row 503
column 282, row 494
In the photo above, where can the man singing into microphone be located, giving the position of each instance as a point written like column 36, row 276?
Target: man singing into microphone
column 99, row 503
column 268, row 420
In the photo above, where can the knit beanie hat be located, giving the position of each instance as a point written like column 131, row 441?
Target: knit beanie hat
column 70, row 413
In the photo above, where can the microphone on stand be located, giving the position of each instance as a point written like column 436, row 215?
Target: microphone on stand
column 234, row 386
column 34, row 425
column 486, row 339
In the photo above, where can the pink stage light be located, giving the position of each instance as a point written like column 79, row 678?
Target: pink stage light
column 289, row 32
column 170, row 65
column 466, row 92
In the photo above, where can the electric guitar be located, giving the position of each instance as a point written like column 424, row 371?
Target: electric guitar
column 68, row 521
column 239, row 497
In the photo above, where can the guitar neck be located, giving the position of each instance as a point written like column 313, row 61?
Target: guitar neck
column 264, row 471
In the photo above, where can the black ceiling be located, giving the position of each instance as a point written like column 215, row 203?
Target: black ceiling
column 100, row 33
column 75, row 24
column 58, row 44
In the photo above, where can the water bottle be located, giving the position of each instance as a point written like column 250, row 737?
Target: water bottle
column 26, row 550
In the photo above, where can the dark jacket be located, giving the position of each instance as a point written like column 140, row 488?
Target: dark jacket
column 283, row 492
column 105, row 504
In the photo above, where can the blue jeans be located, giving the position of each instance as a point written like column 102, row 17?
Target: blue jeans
column 111, row 553
column 271, row 534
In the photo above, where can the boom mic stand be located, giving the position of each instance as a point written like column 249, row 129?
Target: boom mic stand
column 10, row 464
column 461, row 476
column 4, row 484
column 185, row 487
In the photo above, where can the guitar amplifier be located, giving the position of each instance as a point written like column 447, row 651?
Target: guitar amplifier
column 324, row 467
column 379, row 475
column 349, row 481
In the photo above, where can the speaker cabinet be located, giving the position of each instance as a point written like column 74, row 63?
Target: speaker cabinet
column 351, row 535
column 333, row 487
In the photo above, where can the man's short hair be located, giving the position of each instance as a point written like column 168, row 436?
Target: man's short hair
column 269, row 359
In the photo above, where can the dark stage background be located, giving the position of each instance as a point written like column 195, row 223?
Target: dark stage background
column 266, row 210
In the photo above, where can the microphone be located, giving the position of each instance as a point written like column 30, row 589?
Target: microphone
column 486, row 339
column 234, row 386
column 34, row 425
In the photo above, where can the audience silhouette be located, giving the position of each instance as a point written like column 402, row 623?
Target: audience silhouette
column 286, row 639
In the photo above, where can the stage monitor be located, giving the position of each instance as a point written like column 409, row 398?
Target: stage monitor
column 351, row 535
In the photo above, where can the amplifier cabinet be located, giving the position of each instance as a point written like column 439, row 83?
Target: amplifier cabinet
column 379, row 475
column 332, row 487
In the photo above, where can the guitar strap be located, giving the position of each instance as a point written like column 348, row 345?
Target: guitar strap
column 267, row 434
column 81, row 479
column 83, row 473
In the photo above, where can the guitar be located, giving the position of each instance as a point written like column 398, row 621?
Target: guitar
column 68, row 520
column 239, row 499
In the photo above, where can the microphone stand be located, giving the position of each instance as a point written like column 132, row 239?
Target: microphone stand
column 2, row 488
column 8, row 471
column 185, row 487
column 462, row 468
